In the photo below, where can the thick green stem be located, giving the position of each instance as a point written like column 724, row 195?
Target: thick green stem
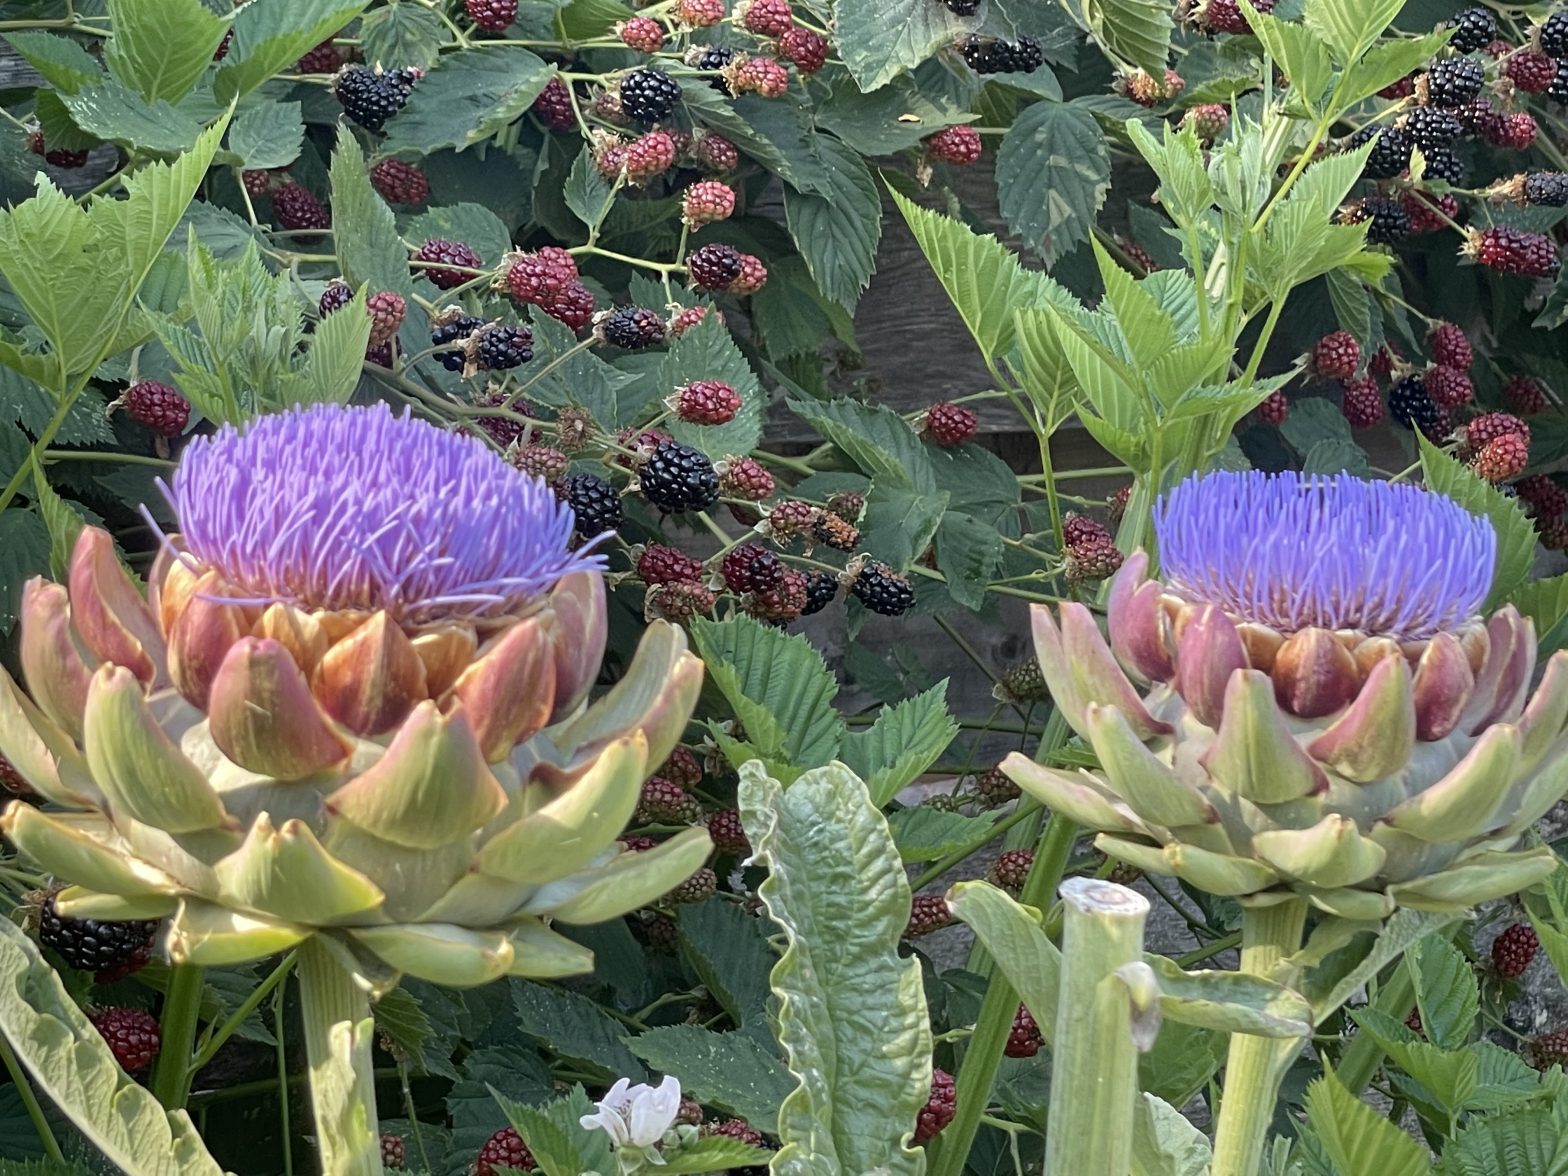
column 1255, row 1065
column 1363, row 1056
column 339, row 1033
column 171, row 1080
column 1094, row 1061
column 30, row 1103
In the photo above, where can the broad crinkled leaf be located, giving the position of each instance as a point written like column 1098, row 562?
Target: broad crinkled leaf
column 879, row 39
column 838, row 232
column 729, row 1070
column 468, row 97
column 1052, row 173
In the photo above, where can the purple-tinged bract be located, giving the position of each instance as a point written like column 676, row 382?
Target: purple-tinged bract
column 354, row 508
column 1293, row 552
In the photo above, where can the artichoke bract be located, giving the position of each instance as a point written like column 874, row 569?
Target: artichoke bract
column 1326, row 712
column 352, row 706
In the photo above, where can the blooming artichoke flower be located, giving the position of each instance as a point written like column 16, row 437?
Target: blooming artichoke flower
column 351, row 706
column 1327, row 715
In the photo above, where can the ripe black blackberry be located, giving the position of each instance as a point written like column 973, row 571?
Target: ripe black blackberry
column 1453, row 81
column 594, row 502
column 1411, row 405
column 715, row 58
column 648, row 95
column 368, row 98
column 1546, row 189
column 987, row 55
column 458, row 329
column 501, row 348
column 1558, row 90
column 1473, row 28
column 1430, row 128
column 716, row 266
column 1443, row 164
column 632, row 327
column 1388, row 221
column 1390, row 151
column 883, row 590
column 821, row 588
column 1554, row 35
column 677, row 478
column 90, row 945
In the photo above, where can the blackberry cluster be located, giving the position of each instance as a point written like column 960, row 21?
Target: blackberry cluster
column 1554, row 35
column 1431, row 129
column 821, row 589
column 90, row 945
column 1411, row 405
column 632, row 328
column 648, row 95
column 1473, row 28
column 370, row 98
column 594, row 502
column 501, row 348
column 1454, row 81
column 883, row 590
column 458, row 329
column 1546, row 189
column 987, row 55
column 1390, row 151
column 678, row 478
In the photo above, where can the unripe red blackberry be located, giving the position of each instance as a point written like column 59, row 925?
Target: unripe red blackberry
column 995, row 787
column 1025, row 1039
column 1487, row 427
column 394, row 1152
column 387, row 311
column 1208, row 120
column 325, row 58
column 699, row 14
column 1513, row 132
column 949, row 424
column 1525, row 395
column 1530, row 70
column 750, row 568
column 631, row 328
column 661, row 564
column 744, row 478
column 705, row 402
column 738, row 1130
column 504, row 1150
column 1514, row 949
column 1336, row 356
column 1363, row 402
column 714, row 153
column 691, row 316
column 927, row 913
column 1096, row 560
column 761, row 76
column 651, row 155
column 682, row 765
column 939, row 1109
column 573, row 306
column 554, row 106
column 753, row 275
column 1448, row 387
column 714, row 266
column 807, row 48
column 766, row 18
column 959, row 146
column 1450, row 346
column 678, row 601
column 297, row 208
column 1502, row 459
column 789, row 519
column 156, row 406
column 11, row 780
column 1548, row 1050
column 609, row 159
column 1403, row 88
column 1546, row 499
column 535, row 276
column 1079, row 530
column 702, row 884
column 539, row 461
column 1430, row 212
column 642, row 33
column 663, row 802
column 399, row 182
column 444, row 253
column 1011, row 870
column 707, row 201
column 132, row 1035
column 1514, row 251
column 1275, row 408
column 1116, row 503
column 494, row 16
column 1382, row 364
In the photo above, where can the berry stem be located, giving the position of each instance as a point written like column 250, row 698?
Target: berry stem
column 339, row 1033
column 53, row 455
column 177, row 1031
column 278, row 1000
column 35, row 1112
column 663, row 267
column 215, row 1040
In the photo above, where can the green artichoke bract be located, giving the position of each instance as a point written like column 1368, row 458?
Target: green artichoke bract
column 350, row 708
column 1327, row 713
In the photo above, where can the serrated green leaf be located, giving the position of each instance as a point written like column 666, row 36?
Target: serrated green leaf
column 1329, row 987
column 587, row 193
column 1313, row 419
column 1446, row 991
column 402, row 36
column 160, row 47
column 778, row 687
column 1387, row 62
column 400, row 1016
column 24, row 553
column 473, row 224
column 874, row 437
column 1350, row 26
column 879, row 39
column 468, row 97
column 1137, row 31
column 1357, row 1138
column 904, row 741
column 708, row 352
column 267, row 134
column 336, row 355
column 64, row 64
column 729, row 951
column 561, row 1146
column 894, row 118
column 926, row 834
column 1337, row 456
column 1052, row 173
column 831, row 863
column 582, row 20
column 1297, row 51
column 1525, row 1143
column 364, row 230
column 838, row 232
column 898, row 523
column 517, row 1072
column 71, row 1062
column 110, row 109
column 573, row 1027
column 62, row 521
column 270, row 37
column 729, row 1070
column 715, row 1153
column 1515, row 533
column 1546, row 603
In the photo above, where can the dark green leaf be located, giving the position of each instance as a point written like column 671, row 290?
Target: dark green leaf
column 899, row 523
column 271, row 37
column 968, row 551
column 894, row 118
column 363, row 228
column 24, row 553
column 1138, row 31
column 925, row 834
column 838, row 232
column 574, row 1028
column 473, row 224
column 468, row 97
column 587, row 193
column 1052, row 173
column 267, row 134
column 874, row 437
column 1446, row 991
column 729, row 951
column 402, row 36
column 879, row 39
column 1515, row 532
column 583, row 20
column 64, row 64
column 728, row 1070
column 160, row 47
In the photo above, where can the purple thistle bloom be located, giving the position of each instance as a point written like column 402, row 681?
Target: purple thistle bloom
column 340, row 508
column 1292, row 551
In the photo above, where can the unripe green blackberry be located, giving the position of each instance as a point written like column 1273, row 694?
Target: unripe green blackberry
column 995, row 787
column 1023, row 683
column 679, row 602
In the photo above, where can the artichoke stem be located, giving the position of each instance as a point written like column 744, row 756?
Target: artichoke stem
column 1362, row 1057
column 339, row 1033
column 1255, row 1066
column 1094, row 1061
column 171, row 1080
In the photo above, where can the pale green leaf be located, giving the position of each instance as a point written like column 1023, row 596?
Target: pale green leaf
column 1165, row 1143
column 838, row 232
column 1335, row 985
column 1231, row 1002
column 336, row 355
column 161, row 47
column 1297, row 51
column 729, row 1070
column 468, row 97
column 1148, row 331
column 1526, row 1143
column 879, row 39
column 1358, row 1139
column 271, row 35
column 1515, row 533
column 1136, row 31
column 1546, row 603
column 1012, row 936
column 1446, row 991
column 1052, row 173
column 715, row 1153
column 64, row 64
column 904, row 741
column 1387, row 62
column 63, row 522
column 831, row 863
column 1350, row 26
column 69, row 1060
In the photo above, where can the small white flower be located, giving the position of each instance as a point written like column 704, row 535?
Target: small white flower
column 637, row 1116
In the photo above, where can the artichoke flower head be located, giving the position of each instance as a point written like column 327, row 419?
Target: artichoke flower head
column 1325, row 712
column 352, row 704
